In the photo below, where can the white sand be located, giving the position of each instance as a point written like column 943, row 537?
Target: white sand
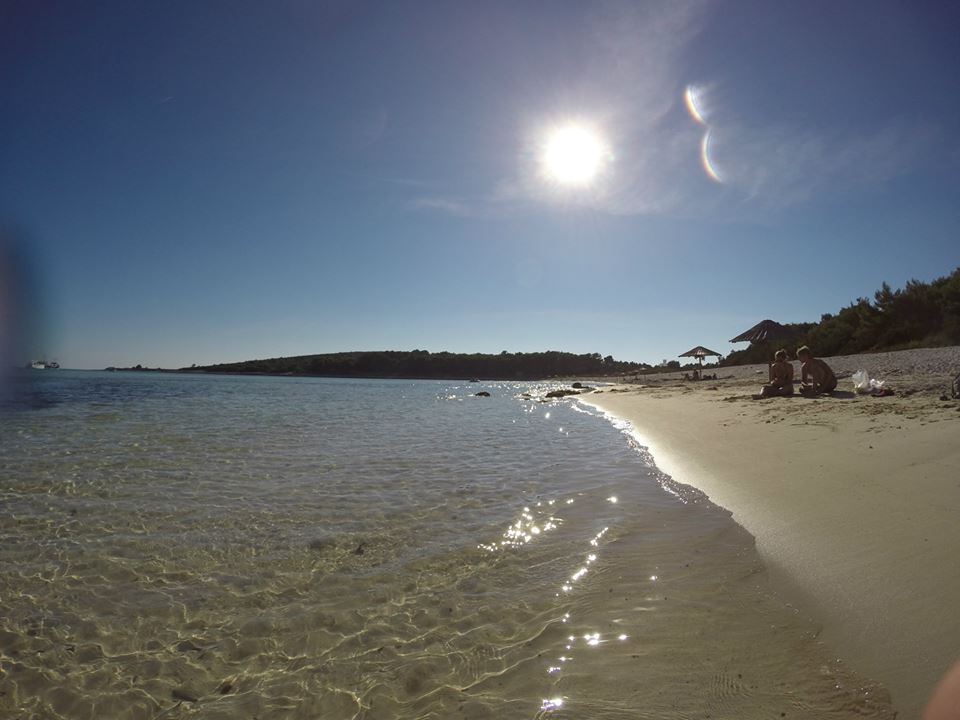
column 854, row 501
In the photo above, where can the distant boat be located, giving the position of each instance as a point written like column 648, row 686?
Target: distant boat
column 43, row 365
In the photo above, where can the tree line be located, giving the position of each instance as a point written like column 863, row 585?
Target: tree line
column 421, row 364
column 918, row 315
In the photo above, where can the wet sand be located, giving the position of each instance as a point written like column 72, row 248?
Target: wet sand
column 852, row 499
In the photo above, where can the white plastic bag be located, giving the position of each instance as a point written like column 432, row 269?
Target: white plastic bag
column 861, row 381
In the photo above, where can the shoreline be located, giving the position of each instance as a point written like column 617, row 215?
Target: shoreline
column 851, row 499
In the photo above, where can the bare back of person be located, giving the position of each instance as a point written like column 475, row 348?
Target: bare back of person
column 816, row 376
column 781, row 374
column 781, row 377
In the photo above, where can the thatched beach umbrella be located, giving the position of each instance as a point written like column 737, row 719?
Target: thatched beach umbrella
column 763, row 331
column 699, row 352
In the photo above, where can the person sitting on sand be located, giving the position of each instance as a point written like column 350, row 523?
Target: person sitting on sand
column 816, row 377
column 781, row 376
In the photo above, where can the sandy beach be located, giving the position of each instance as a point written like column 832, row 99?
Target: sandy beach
column 852, row 499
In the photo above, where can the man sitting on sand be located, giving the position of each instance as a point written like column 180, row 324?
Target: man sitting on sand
column 781, row 377
column 821, row 377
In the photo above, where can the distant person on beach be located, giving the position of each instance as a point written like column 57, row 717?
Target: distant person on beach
column 781, row 377
column 816, row 377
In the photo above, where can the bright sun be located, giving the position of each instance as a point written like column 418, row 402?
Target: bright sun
column 573, row 155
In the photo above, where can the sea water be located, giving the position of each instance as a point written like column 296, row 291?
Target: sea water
column 208, row 546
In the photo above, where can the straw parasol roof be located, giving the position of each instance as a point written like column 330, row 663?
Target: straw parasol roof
column 762, row 331
column 699, row 352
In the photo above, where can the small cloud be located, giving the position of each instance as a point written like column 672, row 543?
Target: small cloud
column 779, row 167
column 403, row 181
column 445, row 205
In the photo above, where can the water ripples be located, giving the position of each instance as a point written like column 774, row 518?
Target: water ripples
column 268, row 547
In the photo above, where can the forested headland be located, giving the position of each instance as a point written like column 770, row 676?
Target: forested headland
column 918, row 315
column 421, row 364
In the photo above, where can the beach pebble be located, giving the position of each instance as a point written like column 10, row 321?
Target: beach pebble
column 321, row 544
column 184, row 695
column 88, row 653
column 188, row 646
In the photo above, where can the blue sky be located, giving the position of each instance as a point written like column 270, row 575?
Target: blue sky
column 219, row 181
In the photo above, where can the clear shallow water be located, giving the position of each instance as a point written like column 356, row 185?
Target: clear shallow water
column 240, row 547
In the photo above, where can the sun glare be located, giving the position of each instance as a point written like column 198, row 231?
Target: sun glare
column 573, row 155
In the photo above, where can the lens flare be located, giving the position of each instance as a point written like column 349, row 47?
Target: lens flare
column 693, row 99
column 708, row 165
